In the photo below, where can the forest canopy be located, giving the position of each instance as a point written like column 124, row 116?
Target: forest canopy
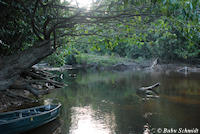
column 32, row 30
column 155, row 24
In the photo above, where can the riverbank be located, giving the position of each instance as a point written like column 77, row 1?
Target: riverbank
column 11, row 102
column 15, row 99
column 115, row 62
column 28, row 89
column 152, row 65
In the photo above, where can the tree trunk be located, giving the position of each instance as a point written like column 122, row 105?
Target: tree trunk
column 11, row 67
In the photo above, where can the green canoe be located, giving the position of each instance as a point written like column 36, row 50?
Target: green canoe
column 18, row 121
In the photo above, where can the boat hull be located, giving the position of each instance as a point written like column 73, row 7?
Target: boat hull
column 29, row 122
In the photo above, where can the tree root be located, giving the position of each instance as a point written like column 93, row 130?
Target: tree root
column 26, row 87
column 42, row 73
column 15, row 95
column 35, row 78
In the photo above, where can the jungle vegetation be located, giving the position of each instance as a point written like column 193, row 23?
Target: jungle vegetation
column 32, row 30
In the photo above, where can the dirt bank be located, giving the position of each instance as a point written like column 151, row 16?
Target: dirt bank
column 31, row 84
column 177, row 67
column 11, row 102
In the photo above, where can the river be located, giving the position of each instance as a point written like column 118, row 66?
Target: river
column 111, row 102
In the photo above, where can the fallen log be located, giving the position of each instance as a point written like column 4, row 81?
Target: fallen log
column 34, row 75
column 37, row 82
column 52, row 82
column 28, row 87
column 150, row 87
column 43, row 73
column 43, row 79
column 15, row 95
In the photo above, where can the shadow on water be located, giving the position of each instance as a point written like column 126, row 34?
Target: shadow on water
column 49, row 128
column 110, row 102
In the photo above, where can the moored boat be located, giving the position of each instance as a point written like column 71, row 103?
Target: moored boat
column 26, row 119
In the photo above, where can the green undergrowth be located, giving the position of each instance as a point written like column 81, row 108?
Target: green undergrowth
column 100, row 60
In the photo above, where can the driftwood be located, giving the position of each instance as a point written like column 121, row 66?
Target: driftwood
column 15, row 95
column 34, row 91
column 42, row 73
column 150, row 87
column 34, row 80
column 152, row 66
column 149, row 90
column 54, row 83
column 154, row 63
column 186, row 70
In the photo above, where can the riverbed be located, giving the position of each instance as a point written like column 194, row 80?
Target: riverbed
column 111, row 102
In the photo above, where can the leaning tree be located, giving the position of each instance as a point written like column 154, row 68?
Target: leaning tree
column 33, row 29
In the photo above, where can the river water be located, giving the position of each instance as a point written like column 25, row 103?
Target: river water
column 111, row 102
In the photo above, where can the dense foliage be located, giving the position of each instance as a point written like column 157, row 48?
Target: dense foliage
column 145, row 29
column 172, row 37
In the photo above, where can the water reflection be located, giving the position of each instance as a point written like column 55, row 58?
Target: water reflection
column 112, row 102
column 52, row 127
column 86, row 120
column 147, row 129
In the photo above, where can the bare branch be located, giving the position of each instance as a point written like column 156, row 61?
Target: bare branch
column 35, row 29
column 54, row 34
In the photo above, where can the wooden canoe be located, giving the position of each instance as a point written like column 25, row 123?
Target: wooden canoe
column 26, row 119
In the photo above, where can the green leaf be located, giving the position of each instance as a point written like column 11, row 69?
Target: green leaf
column 111, row 5
column 164, row 2
column 145, row 34
column 191, row 6
column 125, row 2
column 139, row 18
column 183, row 12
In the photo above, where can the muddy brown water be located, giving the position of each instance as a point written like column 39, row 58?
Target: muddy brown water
column 109, row 102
